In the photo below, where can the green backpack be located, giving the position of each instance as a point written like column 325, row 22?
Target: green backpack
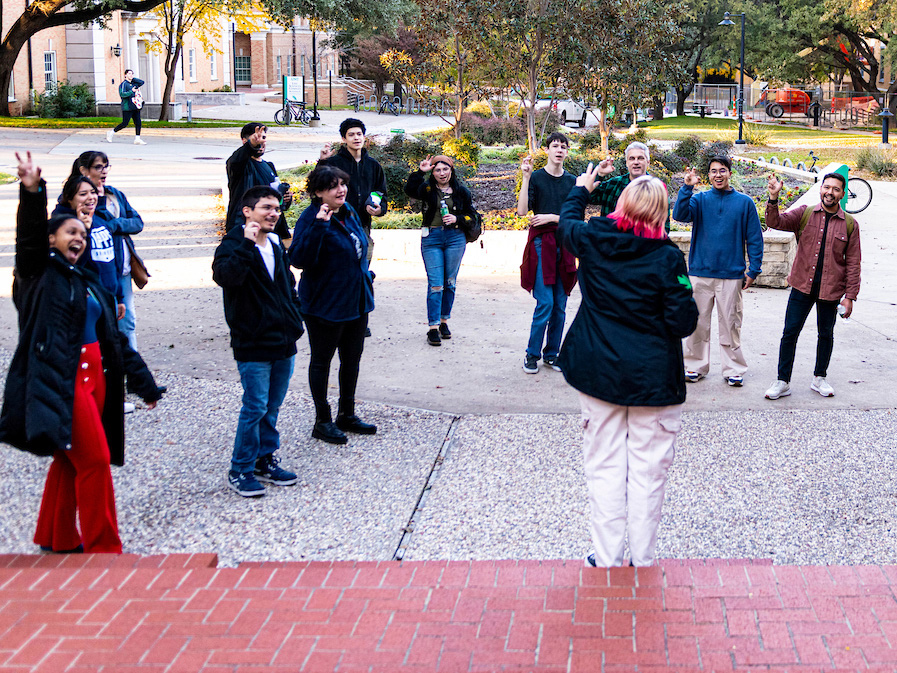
column 805, row 217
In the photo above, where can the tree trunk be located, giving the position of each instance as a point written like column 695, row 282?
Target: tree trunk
column 681, row 94
column 25, row 27
column 658, row 107
column 170, row 69
column 603, row 130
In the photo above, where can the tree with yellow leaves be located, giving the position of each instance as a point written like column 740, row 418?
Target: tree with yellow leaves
column 177, row 18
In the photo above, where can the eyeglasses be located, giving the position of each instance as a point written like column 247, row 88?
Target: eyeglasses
column 100, row 167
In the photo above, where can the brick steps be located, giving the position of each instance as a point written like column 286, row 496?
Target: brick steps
column 183, row 614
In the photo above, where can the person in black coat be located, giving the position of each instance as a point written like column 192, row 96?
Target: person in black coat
column 246, row 169
column 262, row 311
column 336, row 294
column 65, row 387
column 442, row 242
column 623, row 354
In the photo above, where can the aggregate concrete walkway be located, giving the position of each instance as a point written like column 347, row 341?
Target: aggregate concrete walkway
column 181, row 614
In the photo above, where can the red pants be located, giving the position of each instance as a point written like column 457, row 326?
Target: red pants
column 80, row 479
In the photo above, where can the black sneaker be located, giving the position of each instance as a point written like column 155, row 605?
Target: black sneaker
column 552, row 361
column 531, row 364
column 245, row 484
column 444, row 331
column 268, row 471
column 367, row 333
column 590, row 561
column 329, row 433
column 433, row 337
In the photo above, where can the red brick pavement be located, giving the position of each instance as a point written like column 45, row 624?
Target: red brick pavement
column 182, row 614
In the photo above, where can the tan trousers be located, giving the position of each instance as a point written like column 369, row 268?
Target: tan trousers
column 627, row 452
column 726, row 294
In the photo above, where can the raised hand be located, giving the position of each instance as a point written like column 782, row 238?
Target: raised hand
column 425, row 165
column 251, row 230
column 29, row 173
column 606, row 167
column 773, row 186
column 588, row 178
column 258, row 138
column 526, row 167
column 324, row 213
column 327, row 152
column 692, row 178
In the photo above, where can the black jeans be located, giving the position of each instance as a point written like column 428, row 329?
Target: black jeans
column 799, row 305
column 126, row 116
column 324, row 339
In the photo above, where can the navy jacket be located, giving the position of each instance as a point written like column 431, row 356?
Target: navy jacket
column 624, row 346
column 263, row 314
column 336, row 284
column 365, row 176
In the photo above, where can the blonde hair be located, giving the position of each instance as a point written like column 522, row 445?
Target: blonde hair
column 643, row 204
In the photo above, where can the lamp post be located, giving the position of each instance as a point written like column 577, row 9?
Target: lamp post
column 885, row 115
column 740, row 102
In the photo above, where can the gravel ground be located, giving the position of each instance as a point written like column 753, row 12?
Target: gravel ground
column 799, row 487
column 351, row 503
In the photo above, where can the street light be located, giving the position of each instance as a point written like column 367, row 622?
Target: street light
column 885, row 115
column 740, row 102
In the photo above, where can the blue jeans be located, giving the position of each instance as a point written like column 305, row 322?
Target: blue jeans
column 551, row 302
column 442, row 250
column 128, row 324
column 264, row 387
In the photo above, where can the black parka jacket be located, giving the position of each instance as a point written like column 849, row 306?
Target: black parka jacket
column 624, row 346
column 51, row 297
column 263, row 314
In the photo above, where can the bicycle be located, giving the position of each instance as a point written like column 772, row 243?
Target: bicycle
column 355, row 101
column 387, row 105
column 859, row 195
column 292, row 111
column 801, row 166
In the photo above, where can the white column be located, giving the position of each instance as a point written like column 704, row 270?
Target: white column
column 133, row 53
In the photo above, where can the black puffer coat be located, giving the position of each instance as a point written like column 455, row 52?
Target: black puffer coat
column 624, row 347
column 51, row 297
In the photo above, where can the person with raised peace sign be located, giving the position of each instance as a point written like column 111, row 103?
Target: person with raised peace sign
column 65, row 390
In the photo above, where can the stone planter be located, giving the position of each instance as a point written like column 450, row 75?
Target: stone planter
column 501, row 252
column 779, row 248
column 211, row 98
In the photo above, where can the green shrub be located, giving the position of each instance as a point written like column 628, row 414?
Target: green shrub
column 590, row 140
column 688, row 148
column 717, row 148
column 464, row 149
column 877, row 160
column 480, row 108
column 67, row 101
column 755, row 135
column 669, row 160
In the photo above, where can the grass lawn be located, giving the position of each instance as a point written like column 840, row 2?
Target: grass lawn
column 713, row 128
column 6, row 178
column 107, row 122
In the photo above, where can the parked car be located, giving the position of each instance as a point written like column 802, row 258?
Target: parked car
column 571, row 111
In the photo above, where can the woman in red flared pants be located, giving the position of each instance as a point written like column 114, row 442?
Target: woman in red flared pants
column 65, row 388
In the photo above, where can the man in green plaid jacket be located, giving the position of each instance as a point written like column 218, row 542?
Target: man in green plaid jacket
column 606, row 193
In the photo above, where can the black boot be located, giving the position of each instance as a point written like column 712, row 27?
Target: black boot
column 328, row 432
column 351, row 423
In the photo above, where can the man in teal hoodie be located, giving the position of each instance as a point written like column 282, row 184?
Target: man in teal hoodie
column 725, row 224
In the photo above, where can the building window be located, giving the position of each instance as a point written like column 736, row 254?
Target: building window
column 192, row 59
column 290, row 71
column 881, row 65
column 278, row 70
column 11, row 95
column 213, row 67
column 243, row 69
column 49, row 70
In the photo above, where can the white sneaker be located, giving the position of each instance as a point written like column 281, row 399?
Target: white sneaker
column 129, row 408
column 777, row 390
column 139, row 141
column 109, row 135
column 821, row 386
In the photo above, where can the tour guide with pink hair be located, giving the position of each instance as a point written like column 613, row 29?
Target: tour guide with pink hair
column 623, row 354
